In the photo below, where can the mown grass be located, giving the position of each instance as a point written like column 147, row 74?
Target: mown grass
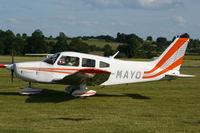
column 156, row 107
column 192, row 57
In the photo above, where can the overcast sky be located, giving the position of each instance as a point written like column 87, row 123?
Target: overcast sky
column 96, row 17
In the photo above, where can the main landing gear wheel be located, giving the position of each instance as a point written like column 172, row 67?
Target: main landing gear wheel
column 71, row 89
column 80, row 91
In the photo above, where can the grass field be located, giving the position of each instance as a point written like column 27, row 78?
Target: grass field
column 101, row 43
column 98, row 42
column 157, row 107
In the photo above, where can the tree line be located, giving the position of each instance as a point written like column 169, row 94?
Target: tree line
column 131, row 44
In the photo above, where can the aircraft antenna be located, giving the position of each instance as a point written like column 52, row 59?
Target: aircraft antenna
column 114, row 55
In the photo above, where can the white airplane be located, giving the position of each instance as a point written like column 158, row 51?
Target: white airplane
column 79, row 70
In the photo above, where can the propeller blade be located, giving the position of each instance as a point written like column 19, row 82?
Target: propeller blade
column 12, row 75
column 12, row 58
column 12, row 70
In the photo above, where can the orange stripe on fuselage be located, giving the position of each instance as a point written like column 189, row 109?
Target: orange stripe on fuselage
column 172, row 66
column 56, row 71
column 35, row 68
column 172, row 50
column 86, row 70
column 49, row 69
column 60, row 69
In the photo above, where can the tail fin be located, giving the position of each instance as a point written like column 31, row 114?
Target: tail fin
column 172, row 57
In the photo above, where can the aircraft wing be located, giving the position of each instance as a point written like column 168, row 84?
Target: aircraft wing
column 86, row 76
column 43, row 54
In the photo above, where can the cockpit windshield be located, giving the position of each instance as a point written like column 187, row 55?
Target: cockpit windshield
column 52, row 59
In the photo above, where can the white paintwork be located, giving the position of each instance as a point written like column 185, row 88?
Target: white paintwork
column 121, row 72
column 115, row 65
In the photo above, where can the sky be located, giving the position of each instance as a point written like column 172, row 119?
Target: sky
column 166, row 18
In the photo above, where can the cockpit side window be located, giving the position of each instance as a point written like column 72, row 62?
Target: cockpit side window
column 52, row 59
column 88, row 62
column 68, row 61
column 103, row 64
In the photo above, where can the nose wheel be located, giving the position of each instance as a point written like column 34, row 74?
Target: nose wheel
column 30, row 90
column 29, row 84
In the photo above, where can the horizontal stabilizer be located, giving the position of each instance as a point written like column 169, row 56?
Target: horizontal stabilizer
column 180, row 76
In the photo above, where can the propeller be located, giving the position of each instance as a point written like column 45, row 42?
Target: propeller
column 10, row 67
column 12, row 70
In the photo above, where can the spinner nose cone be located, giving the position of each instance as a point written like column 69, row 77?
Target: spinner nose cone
column 11, row 67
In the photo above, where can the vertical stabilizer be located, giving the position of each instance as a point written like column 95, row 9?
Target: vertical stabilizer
column 171, row 58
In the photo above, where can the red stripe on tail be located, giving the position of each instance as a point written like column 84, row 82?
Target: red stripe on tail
column 172, row 66
column 171, row 51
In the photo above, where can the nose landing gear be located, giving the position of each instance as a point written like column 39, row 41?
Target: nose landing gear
column 29, row 90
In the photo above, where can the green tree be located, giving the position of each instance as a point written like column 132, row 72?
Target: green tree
column 1, row 47
column 79, row 46
column 149, row 38
column 133, row 48
column 8, row 39
column 10, row 43
column 18, row 46
column 36, row 43
column 149, row 46
column 61, row 44
column 161, row 43
column 194, row 46
column 24, row 35
column 107, row 50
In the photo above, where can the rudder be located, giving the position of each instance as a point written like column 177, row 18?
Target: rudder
column 172, row 57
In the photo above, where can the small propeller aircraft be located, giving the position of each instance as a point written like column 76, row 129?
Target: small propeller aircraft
column 80, row 70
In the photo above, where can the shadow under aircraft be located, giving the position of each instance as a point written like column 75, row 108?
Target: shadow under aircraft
column 55, row 96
